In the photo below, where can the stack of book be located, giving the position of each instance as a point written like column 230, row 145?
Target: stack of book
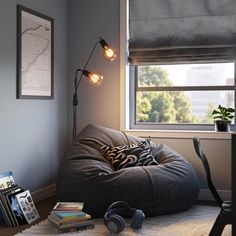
column 16, row 204
column 68, row 217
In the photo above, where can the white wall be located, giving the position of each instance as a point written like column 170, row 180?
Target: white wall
column 33, row 133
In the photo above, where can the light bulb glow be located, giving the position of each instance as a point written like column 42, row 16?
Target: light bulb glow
column 95, row 79
column 110, row 53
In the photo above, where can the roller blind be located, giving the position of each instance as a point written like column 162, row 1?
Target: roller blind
column 166, row 31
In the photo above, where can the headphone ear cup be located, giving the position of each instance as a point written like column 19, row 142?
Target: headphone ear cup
column 137, row 220
column 115, row 223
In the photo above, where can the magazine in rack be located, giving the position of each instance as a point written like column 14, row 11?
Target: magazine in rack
column 16, row 204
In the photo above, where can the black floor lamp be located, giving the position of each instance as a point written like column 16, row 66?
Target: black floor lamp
column 94, row 78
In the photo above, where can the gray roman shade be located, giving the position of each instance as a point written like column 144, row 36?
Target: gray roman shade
column 172, row 31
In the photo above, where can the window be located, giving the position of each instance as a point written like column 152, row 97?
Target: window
column 173, row 72
column 180, row 96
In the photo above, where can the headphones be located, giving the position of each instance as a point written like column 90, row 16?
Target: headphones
column 113, row 218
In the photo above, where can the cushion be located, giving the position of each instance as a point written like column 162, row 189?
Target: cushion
column 126, row 156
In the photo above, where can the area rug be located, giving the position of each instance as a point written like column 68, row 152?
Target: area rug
column 195, row 222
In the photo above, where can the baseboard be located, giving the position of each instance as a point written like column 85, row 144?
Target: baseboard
column 206, row 195
column 44, row 193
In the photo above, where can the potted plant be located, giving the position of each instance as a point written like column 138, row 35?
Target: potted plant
column 222, row 117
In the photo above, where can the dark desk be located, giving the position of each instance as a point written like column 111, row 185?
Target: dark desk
column 234, row 182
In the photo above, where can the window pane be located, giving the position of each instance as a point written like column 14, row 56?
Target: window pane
column 208, row 74
column 184, row 107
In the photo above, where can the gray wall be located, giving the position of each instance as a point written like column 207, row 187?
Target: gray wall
column 218, row 153
column 33, row 133
column 88, row 20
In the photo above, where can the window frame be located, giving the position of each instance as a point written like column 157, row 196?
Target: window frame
column 134, row 88
column 126, row 95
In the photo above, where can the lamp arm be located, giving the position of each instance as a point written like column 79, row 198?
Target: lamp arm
column 88, row 60
column 76, row 86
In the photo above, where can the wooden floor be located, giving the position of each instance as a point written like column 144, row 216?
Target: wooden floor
column 43, row 208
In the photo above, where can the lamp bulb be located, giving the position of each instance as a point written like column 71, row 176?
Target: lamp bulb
column 95, row 79
column 110, row 53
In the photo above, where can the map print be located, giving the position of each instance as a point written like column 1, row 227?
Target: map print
column 36, row 55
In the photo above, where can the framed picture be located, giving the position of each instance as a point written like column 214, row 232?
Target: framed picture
column 34, row 54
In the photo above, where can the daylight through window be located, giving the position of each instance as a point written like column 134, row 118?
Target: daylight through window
column 181, row 94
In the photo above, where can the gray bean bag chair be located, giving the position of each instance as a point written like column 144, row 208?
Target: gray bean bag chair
column 86, row 175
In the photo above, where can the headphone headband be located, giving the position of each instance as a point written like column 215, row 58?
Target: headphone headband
column 118, row 204
column 121, row 208
column 113, row 218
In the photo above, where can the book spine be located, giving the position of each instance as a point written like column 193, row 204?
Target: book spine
column 64, row 215
column 67, row 226
column 66, row 211
column 84, row 223
column 67, row 220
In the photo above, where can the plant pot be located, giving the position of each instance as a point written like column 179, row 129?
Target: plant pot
column 222, row 126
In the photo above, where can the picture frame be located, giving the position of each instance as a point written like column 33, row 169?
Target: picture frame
column 35, row 59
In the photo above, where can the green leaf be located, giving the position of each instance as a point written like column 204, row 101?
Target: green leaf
column 231, row 117
column 231, row 110
column 223, row 113
column 215, row 112
column 218, row 117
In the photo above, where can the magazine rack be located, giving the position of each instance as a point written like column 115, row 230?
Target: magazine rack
column 16, row 204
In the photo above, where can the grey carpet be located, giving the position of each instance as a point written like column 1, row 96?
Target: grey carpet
column 195, row 222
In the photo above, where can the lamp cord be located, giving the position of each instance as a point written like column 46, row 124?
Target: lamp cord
column 76, row 86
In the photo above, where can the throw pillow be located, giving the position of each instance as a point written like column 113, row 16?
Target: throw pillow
column 128, row 156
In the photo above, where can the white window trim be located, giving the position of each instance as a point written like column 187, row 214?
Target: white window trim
column 124, row 82
column 181, row 134
column 124, row 93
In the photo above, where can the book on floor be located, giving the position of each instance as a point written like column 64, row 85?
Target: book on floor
column 73, row 229
column 68, row 207
column 72, row 224
column 60, row 218
column 69, row 217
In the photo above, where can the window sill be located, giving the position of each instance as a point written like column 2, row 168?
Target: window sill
column 181, row 134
